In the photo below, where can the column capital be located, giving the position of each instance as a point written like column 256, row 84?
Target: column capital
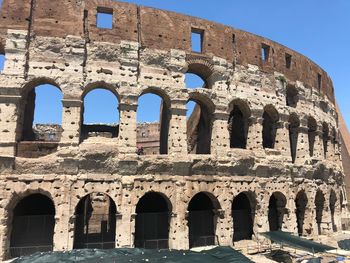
column 126, row 106
column 72, row 102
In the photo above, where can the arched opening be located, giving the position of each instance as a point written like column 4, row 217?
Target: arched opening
column 325, row 138
column 238, row 124
column 312, row 128
column 152, row 222
column 100, row 114
column 292, row 96
column 153, row 118
column 199, row 130
column 277, row 210
column 293, row 129
column 334, row 138
column 32, row 226
column 243, row 218
column 95, row 222
column 201, row 221
column 2, row 61
column 270, row 120
column 193, row 81
column 300, row 204
column 332, row 206
column 319, row 202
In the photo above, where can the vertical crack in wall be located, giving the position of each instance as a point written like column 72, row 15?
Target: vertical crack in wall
column 139, row 40
column 29, row 38
column 87, row 40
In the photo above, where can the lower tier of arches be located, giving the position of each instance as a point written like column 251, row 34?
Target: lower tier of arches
column 165, row 212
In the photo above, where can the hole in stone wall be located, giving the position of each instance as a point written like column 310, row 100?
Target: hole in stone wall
column 288, row 60
column 293, row 128
column 270, row 121
column 242, row 218
column 277, row 210
column 292, row 97
column 104, row 18
column 312, row 128
column 153, row 117
column 100, row 114
column 201, row 221
column 301, row 204
column 198, row 128
column 265, row 53
column 197, row 40
column 319, row 202
column 332, row 206
column 95, row 222
column 33, row 226
column 152, row 222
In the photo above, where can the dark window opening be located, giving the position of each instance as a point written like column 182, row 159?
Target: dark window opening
column 265, row 53
column 242, row 218
column 201, row 221
column 153, row 119
column 2, row 62
column 95, row 222
column 104, row 18
column 319, row 202
column 312, row 128
column 293, row 128
column 152, row 222
column 270, row 120
column 33, row 226
column 277, row 210
column 332, row 205
column 100, row 115
column 197, row 40
column 238, row 128
column 292, row 97
column 198, row 128
column 319, row 82
column 301, row 204
column 288, row 61
column 325, row 139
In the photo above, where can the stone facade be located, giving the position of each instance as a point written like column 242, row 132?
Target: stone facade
column 284, row 102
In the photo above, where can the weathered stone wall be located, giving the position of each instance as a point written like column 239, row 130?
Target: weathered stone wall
column 148, row 50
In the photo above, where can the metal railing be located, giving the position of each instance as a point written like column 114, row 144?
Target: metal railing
column 202, row 241
column 28, row 250
column 152, row 243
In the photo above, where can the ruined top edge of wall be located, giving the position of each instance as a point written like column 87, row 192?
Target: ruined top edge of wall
column 156, row 29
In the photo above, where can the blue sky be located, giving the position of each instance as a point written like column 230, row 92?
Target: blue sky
column 318, row 29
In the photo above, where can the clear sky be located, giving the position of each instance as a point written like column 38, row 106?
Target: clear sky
column 318, row 29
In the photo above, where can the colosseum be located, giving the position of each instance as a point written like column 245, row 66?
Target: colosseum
column 260, row 152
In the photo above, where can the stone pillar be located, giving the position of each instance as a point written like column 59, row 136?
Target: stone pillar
column 220, row 138
column 318, row 146
column 290, row 222
column 282, row 139
column 62, row 225
column 254, row 138
column 330, row 148
column 8, row 124
column 127, row 126
column 224, row 224
column 177, row 142
column 71, row 122
column 302, row 145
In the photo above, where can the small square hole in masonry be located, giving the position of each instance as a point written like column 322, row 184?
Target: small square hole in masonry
column 104, row 19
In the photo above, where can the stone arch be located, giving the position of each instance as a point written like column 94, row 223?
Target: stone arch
column 199, row 124
column 164, row 117
column 319, row 204
column 312, row 132
column 95, row 222
column 202, row 219
column 325, row 138
column 238, row 123
column 32, row 217
column 99, row 129
column 200, row 67
column 277, row 210
column 2, row 57
column 270, row 122
column 292, row 97
column 25, row 130
column 332, row 207
column 152, row 222
column 293, row 128
column 301, row 202
column 243, row 208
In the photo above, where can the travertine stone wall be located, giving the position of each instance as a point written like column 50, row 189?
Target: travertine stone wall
column 149, row 51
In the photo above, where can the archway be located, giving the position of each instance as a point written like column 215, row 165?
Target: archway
column 319, row 202
column 95, row 222
column 293, row 129
column 152, row 222
column 301, row 204
column 312, row 128
column 201, row 221
column 277, row 209
column 32, row 226
column 292, row 97
column 100, row 114
column 243, row 218
column 238, row 124
column 325, row 138
column 270, row 119
column 332, row 206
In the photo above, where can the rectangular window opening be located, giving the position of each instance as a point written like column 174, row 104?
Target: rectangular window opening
column 288, row 61
column 265, row 53
column 319, row 81
column 197, row 40
column 104, row 18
